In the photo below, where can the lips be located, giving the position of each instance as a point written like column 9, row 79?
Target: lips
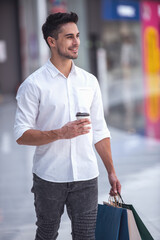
column 74, row 49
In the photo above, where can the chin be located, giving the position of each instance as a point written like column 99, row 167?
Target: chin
column 75, row 57
column 72, row 57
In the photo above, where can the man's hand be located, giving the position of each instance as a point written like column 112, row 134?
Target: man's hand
column 115, row 184
column 75, row 128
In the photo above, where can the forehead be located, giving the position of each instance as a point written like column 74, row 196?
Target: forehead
column 69, row 28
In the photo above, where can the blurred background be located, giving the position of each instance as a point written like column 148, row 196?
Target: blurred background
column 120, row 44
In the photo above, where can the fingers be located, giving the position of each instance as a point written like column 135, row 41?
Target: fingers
column 112, row 193
column 75, row 128
column 84, row 121
column 82, row 129
column 82, row 126
column 113, row 190
column 116, row 188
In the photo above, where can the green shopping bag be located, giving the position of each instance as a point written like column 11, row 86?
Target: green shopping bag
column 144, row 233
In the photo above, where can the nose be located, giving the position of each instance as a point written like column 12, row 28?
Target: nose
column 76, row 41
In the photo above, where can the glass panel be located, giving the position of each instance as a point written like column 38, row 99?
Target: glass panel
column 121, row 41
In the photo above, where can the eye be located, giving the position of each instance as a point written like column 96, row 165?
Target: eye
column 70, row 37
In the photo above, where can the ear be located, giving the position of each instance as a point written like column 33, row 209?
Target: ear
column 51, row 41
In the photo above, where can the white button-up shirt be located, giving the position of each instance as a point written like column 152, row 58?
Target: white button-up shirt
column 47, row 100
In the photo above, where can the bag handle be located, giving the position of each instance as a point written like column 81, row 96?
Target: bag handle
column 115, row 201
column 120, row 197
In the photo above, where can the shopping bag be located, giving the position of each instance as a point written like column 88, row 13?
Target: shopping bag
column 132, row 227
column 112, row 223
column 144, row 233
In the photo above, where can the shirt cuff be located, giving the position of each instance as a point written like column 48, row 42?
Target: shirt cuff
column 99, row 135
column 19, row 132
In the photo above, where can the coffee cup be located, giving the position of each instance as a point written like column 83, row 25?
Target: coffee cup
column 83, row 115
column 80, row 115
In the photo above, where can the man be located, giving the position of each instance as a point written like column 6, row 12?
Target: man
column 65, row 167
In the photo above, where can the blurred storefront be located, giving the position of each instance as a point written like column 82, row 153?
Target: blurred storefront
column 118, row 58
column 10, row 71
column 121, row 34
column 22, row 47
column 34, row 51
column 151, row 65
column 118, row 44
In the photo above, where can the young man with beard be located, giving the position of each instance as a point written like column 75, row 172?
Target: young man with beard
column 64, row 167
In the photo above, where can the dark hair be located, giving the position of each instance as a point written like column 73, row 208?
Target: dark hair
column 54, row 21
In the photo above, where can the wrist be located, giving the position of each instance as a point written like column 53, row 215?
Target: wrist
column 111, row 172
column 56, row 134
column 110, row 168
column 59, row 133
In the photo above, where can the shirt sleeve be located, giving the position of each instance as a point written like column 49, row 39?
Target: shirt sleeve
column 99, row 126
column 27, row 108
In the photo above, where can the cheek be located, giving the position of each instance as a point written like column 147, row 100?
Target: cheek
column 66, row 45
column 62, row 46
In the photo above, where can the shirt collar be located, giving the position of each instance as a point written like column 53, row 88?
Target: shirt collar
column 73, row 69
column 54, row 71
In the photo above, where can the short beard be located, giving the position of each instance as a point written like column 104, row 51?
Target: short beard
column 66, row 55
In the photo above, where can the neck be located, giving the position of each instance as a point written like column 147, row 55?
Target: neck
column 63, row 65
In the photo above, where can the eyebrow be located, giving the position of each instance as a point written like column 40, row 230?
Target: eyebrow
column 70, row 34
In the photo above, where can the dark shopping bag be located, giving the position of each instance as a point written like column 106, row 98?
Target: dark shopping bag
column 112, row 223
column 144, row 233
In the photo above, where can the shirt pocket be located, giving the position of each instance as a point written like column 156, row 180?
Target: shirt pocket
column 85, row 97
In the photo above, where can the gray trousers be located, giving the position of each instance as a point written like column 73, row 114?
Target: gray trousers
column 81, row 200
